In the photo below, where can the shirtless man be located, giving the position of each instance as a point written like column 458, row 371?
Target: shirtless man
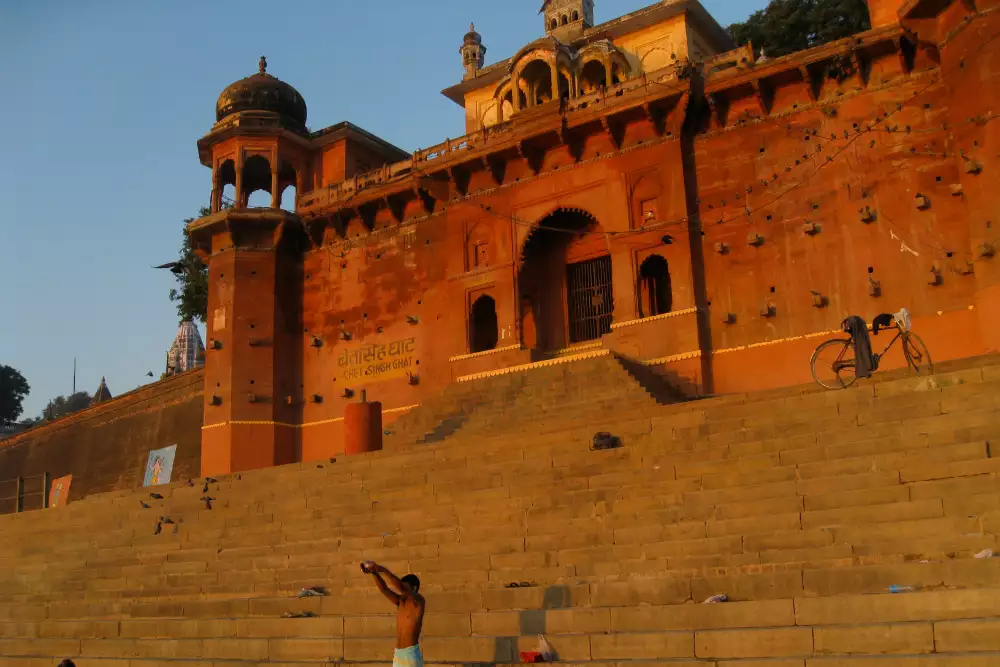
column 409, row 615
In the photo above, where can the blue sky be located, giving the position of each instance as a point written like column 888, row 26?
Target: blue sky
column 103, row 101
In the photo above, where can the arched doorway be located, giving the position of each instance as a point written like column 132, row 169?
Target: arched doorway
column 483, row 330
column 655, row 296
column 565, row 276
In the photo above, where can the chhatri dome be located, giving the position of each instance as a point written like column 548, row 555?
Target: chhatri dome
column 262, row 92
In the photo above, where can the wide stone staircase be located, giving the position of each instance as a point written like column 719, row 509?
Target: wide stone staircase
column 595, row 388
column 805, row 508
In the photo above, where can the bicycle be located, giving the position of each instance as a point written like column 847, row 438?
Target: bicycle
column 833, row 362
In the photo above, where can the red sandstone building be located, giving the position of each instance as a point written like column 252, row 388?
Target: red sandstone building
column 641, row 187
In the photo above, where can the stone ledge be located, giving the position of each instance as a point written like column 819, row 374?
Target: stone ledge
column 496, row 350
column 268, row 422
column 533, row 365
column 653, row 318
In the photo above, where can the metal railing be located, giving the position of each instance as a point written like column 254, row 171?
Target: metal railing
column 24, row 489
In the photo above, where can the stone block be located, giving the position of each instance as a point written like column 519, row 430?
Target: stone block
column 771, row 643
column 858, row 498
column 767, row 613
column 889, row 608
column 653, row 592
column 870, row 514
column 768, row 586
column 642, row 646
column 755, row 525
column 972, row 635
column 327, row 649
column 909, row 638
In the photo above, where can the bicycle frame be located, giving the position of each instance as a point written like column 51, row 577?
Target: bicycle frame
column 840, row 365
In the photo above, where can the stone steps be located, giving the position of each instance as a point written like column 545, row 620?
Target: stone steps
column 802, row 506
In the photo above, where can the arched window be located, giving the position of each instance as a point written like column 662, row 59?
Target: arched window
column 259, row 199
column 287, row 179
column 565, row 19
column 554, row 24
column 257, row 182
column 576, row 15
column 288, row 198
column 226, row 179
column 592, row 76
column 483, row 332
column 655, row 297
column 537, row 78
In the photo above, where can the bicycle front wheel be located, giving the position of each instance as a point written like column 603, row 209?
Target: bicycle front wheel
column 916, row 354
column 833, row 364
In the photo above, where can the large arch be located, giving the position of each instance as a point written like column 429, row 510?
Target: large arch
column 564, row 281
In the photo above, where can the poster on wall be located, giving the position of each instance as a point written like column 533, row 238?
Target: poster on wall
column 59, row 491
column 159, row 465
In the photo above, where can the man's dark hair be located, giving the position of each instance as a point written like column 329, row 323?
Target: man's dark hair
column 413, row 581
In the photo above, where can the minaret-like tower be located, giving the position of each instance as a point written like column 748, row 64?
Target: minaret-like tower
column 254, row 326
column 473, row 52
column 567, row 19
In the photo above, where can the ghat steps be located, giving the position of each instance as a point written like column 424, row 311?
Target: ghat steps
column 802, row 506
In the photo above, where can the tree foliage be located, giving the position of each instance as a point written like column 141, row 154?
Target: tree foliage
column 191, row 293
column 60, row 406
column 13, row 389
column 787, row 26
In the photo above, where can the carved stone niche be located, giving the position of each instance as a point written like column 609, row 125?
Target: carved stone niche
column 646, row 198
column 480, row 248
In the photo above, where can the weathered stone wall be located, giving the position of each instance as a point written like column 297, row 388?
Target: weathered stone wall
column 105, row 447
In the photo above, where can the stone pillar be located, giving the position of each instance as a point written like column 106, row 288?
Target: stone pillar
column 362, row 426
column 216, row 204
column 250, row 361
column 238, row 194
column 555, row 79
column 275, row 189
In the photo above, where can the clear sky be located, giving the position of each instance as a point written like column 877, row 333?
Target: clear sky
column 102, row 103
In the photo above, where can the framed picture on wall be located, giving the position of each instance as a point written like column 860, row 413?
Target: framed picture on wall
column 159, row 466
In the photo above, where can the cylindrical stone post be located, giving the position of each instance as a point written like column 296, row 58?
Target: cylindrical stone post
column 362, row 426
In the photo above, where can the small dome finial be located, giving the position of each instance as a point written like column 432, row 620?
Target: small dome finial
column 472, row 27
column 262, row 64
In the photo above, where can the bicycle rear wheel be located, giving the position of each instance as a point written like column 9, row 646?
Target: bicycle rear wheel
column 833, row 364
column 916, row 354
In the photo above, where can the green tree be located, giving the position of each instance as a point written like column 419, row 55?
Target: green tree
column 60, row 406
column 787, row 26
column 13, row 389
column 191, row 293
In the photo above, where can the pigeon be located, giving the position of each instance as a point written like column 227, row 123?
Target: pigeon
column 205, row 488
column 238, row 477
column 156, row 496
column 190, row 483
column 208, row 502
column 158, row 529
column 144, row 505
column 210, row 480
